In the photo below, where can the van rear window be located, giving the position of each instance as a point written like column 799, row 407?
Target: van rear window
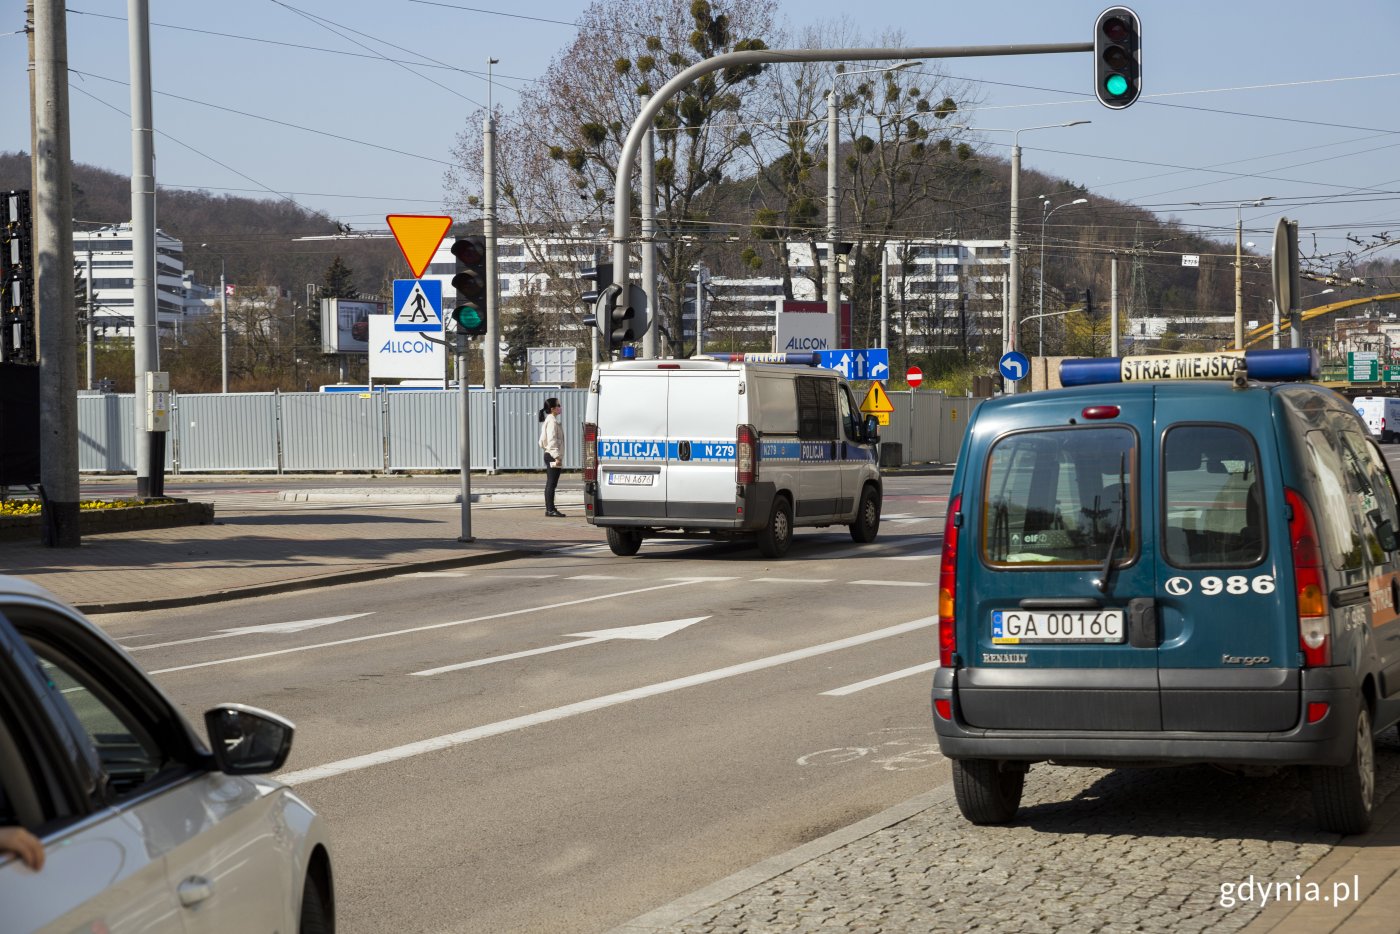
column 1056, row 496
column 1212, row 497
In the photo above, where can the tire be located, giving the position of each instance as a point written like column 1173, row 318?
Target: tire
column 867, row 524
column 776, row 537
column 986, row 792
column 1344, row 796
column 624, row 542
column 316, row 915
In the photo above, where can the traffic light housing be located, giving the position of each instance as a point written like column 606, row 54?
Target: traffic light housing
column 605, row 298
column 470, row 283
column 1117, row 57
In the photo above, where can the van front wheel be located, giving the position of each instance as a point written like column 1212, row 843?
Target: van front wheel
column 987, row 792
column 867, row 524
column 1344, row 795
column 624, row 542
column 776, row 537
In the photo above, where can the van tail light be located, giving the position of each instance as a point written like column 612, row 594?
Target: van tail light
column 590, row 453
column 948, row 586
column 746, row 456
column 1314, row 625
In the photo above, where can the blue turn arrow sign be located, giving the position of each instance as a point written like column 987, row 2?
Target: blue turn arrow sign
column 1014, row 365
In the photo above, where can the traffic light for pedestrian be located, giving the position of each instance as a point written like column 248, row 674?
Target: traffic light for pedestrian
column 1117, row 57
column 470, row 283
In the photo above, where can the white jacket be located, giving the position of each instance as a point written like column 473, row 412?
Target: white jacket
column 552, row 439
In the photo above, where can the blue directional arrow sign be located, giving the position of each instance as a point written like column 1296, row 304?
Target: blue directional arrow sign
column 1014, row 365
column 417, row 304
column 857, row 364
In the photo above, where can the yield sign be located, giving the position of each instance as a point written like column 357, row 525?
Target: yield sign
column 418, row 236
column 876, row 402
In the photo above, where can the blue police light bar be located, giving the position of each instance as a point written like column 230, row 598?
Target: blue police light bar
column 1296, row 363
column 799, row 359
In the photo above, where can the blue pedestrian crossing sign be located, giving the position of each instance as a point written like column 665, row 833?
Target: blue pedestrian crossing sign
column 1014, row 365
column 857, row 364
column 417, row 304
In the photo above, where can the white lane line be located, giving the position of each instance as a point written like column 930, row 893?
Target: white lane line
column 595, row 577
column 882, row 679
column 289, row 627
column 650, row 632
column 404, row 632
column 449, row 740
column 907, row 557
column 793, row 580
column 895, row 583
column 705, row 579
column 522, row 577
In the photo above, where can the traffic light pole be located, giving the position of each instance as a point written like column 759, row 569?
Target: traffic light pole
column 627, row 159
column 491, row 346
column 464, row 400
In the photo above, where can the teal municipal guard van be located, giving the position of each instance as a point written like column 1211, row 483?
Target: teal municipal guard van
column 1174, row 559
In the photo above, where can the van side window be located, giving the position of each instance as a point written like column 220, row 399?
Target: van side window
column 1332, row 508
column 816, row 409
column 1057, row 496
column 1372, row 495
column 850, row 415
column 1212, row 498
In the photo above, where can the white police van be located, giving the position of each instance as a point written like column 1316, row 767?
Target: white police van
column 1381, row 415
column 728, row 446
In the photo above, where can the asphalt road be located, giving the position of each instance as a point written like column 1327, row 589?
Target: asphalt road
column 501, row 749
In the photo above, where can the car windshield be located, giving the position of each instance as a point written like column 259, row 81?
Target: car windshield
column 1055, row 496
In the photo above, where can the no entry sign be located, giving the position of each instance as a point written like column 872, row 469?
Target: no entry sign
column 914, row 377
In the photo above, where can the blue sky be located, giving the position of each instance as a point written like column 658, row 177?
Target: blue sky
column 1242, row 99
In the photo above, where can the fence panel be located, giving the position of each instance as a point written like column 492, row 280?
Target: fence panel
column 956, row 413
column 925, row 427
column 233, row 431
column 518, row 427
column 424, row 428
column 332, row 431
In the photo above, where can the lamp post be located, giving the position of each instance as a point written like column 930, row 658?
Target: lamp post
column 1239, row 266
column 1045, row 212
column 833, row 283
column 1014, row 273
column 223, row 325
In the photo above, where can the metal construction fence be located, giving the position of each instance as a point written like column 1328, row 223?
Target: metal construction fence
column 309, row 432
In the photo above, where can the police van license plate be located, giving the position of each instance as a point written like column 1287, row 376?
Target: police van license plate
column 1019, row 627
column 630, row 479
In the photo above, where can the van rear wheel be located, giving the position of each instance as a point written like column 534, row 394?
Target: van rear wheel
column 776, row 536
column 867, row 524
column 1344, row 796
column 624, row 542
column 988, row 791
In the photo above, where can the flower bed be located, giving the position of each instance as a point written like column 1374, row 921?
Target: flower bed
column 22, row 519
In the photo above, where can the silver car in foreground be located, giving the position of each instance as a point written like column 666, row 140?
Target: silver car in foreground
column 144, row 827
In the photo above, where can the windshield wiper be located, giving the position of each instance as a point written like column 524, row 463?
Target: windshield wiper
column 1103, row 581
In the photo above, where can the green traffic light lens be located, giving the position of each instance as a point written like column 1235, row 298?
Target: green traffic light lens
column 1117, row 85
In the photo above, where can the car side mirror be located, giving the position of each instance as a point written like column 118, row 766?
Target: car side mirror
column 246, row 740
column 872, row 429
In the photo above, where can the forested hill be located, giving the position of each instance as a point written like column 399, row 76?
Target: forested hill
column 254, row 236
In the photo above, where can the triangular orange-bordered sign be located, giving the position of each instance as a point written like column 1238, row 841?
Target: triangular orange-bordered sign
column 418, row 236
column 876, row 402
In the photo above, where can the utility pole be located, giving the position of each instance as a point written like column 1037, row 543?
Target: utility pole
column 150, row 445
column 1113, row 307
column 833, row 208
column 649, row 341
column 491, row 344
column 52, row 211
column 88, row 329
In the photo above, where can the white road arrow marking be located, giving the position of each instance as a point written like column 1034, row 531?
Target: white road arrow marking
column 650, row 631
column 296, row 626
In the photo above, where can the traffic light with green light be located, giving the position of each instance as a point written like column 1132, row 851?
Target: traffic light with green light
column 1117, row 57
column 470, row 283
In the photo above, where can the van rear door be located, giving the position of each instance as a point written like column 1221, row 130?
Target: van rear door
column 1056, row 645
column 632, row 441
column 703, row 420
column 1228, row 657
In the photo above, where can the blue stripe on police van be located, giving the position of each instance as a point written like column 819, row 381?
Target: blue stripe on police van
column 710, row 451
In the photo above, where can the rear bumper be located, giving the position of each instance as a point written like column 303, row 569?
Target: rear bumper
column 756, row 501
column 1327, row 742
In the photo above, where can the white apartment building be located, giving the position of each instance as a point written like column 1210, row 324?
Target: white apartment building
column 113, row 264
column 945, row 294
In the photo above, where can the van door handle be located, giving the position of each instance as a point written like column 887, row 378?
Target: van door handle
column 194, row 890
column 1144, row 625
column 1350, row 596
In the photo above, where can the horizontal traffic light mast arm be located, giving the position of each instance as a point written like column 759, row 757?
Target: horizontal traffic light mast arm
column 628, row 158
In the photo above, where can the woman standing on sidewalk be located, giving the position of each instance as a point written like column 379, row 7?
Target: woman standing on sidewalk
column 552, row 441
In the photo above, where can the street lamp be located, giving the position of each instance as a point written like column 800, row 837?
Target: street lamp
column 1045, row 212
column 1239, row 266
column 833, row 285
column 223, row 324
column 1014, row 273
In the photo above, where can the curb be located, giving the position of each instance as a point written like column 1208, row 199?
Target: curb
column 668, row 915
column 307, row 583
column 420, row 496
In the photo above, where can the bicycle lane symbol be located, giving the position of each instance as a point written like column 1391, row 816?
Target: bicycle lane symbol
column 891, row 755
